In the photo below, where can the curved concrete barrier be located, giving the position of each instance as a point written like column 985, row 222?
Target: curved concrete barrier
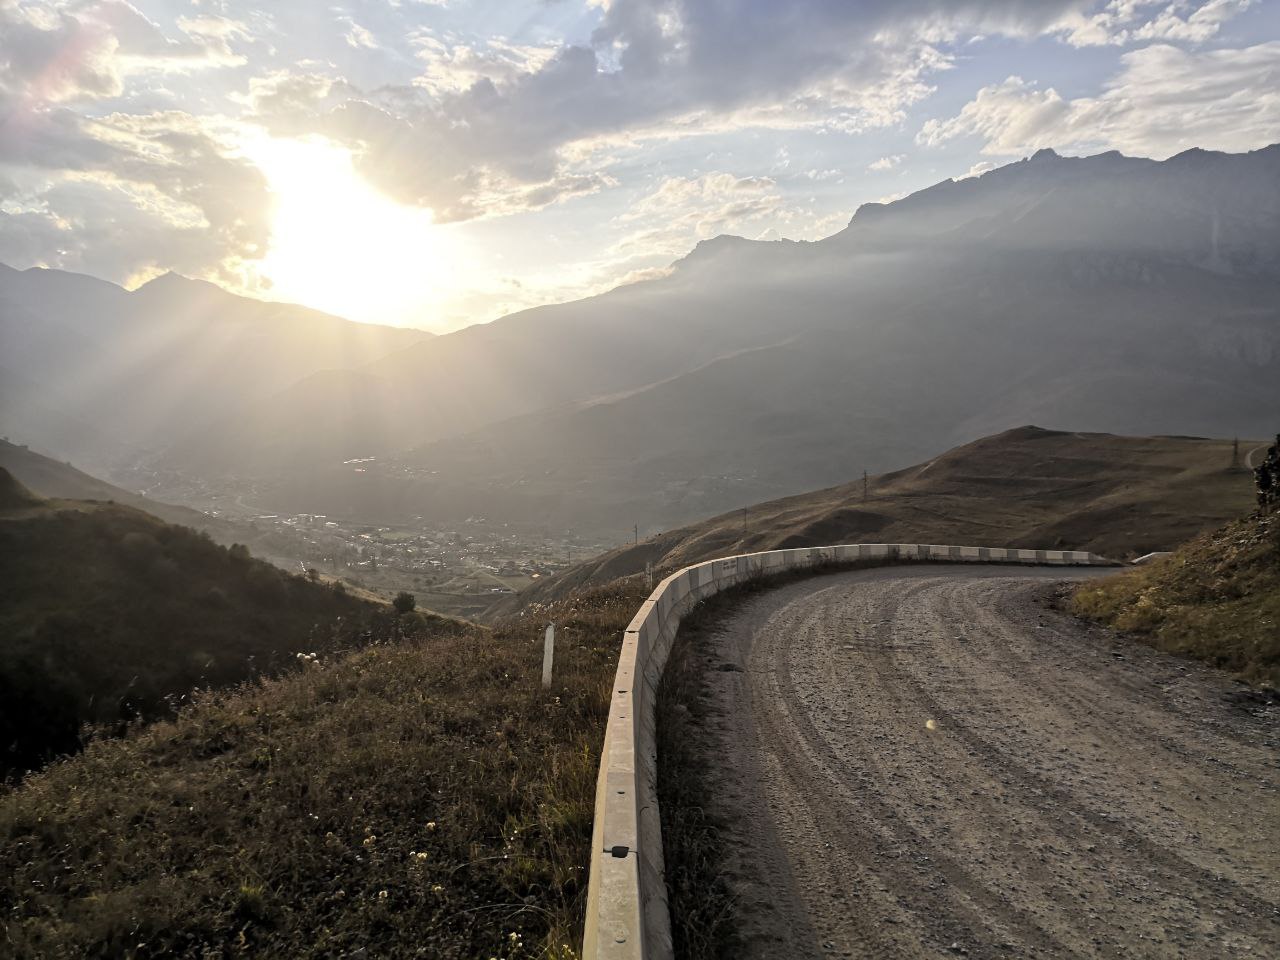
column 627, row 916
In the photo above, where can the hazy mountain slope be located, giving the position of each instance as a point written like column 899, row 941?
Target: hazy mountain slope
column 144, row 367
column 538, row 359
column 57, row 480
column 1164, row 350
column 1109, row 293
column 1215, row 210
column 1027, row 487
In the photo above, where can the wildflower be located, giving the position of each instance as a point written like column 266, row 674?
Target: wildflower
column 370, row 840
column 437, row 889
column 383, row 894
column 431, row 825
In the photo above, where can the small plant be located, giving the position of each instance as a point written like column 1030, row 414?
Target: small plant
column 404, row 602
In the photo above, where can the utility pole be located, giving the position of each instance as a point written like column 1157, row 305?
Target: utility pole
column 1235, row 454
column 864, row 485
column 637, row 533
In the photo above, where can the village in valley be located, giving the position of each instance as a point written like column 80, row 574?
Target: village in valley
column 456, row 567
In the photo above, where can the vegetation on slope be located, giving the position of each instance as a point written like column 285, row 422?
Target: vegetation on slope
column 1216, row 599
column 1029, row 487
column 422, row 798
column 109, row 615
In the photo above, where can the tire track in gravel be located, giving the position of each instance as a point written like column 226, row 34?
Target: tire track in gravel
column 812, row 775
column 1065, row 804
column 1061, row 803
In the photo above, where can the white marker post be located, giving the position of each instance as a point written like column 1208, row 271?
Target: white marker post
column 548, row 655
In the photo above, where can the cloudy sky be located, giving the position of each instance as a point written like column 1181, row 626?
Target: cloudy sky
column 440, row 162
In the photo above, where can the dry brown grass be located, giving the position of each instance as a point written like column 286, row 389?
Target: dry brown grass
column 1117, row 496
column 1216, row 599
column 418, row 799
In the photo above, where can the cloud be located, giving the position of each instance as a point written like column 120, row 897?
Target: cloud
column 114, row 192
column 55, row 57
column 978, row 169
column 357, row 36
column 1125, row 21
column 484, row 116
column 1164, row 100
column 453, row 67
column 99, row 171
column 670, row 219
column 127, row 194
column 886, row 163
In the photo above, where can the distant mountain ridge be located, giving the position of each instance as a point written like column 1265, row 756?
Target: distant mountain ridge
column 90, row 368
column 1187, row 208
column 1107, row 293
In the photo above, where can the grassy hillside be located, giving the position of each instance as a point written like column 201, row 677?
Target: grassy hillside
column 424, row 798
column 109, row 615
column 56, row 479
column 1029, row 487
column 14, row 496
column 1216, row 599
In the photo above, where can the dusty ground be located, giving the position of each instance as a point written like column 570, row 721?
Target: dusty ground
column 933, row 762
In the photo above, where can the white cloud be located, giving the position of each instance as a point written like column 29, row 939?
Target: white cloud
column 485, row 113
column 453, row 67
column 1164, row 100
column 1125, row 21
column 683, row 210
column 358, row 36
column 978, row 169
column 1201, row 24
column 887, row 163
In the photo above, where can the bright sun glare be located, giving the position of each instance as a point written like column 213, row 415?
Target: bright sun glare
column 339, row 245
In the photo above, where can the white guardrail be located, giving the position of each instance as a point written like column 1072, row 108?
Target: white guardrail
column 627, row 916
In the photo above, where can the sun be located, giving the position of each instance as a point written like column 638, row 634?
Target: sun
column 339, row 245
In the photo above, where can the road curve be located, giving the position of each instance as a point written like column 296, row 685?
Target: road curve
column 923, row 762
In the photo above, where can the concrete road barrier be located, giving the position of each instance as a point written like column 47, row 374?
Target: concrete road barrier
column 627, row 915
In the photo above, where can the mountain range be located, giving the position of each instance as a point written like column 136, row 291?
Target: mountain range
column 88, row 369
column 1103, row 293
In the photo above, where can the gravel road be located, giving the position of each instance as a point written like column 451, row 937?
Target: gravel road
column 924, row 762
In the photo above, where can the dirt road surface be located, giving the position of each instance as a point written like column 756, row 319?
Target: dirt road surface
column 925, row 762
